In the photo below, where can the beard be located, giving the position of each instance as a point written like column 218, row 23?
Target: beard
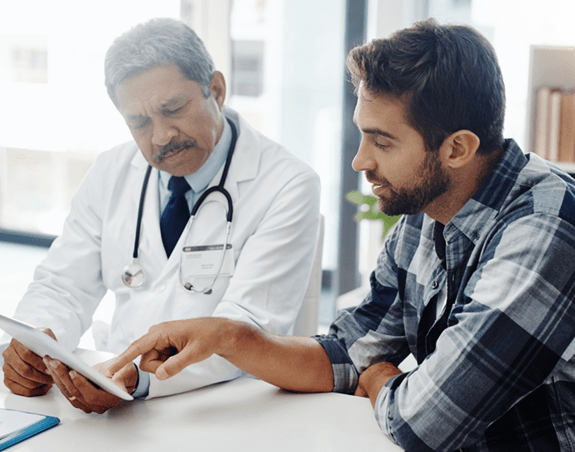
column 431, row 182
column 172, row 147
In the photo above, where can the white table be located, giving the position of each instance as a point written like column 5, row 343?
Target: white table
column 241, row 415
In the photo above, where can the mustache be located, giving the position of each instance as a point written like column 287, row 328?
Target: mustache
column 171, row 147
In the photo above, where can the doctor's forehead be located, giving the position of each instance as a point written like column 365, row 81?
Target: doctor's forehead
column 157, row 88
column 155, row 104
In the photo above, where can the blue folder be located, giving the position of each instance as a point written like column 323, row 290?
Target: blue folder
column 30, row 425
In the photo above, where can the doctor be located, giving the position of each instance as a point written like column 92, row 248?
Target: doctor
column 124, row 232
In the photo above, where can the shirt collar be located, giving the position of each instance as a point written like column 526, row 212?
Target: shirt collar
column 491, row 197
column 200, row 180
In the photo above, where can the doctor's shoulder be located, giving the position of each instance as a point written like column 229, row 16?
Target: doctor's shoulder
column 269, row 159
column 284, row 161
column 118, row 159
column 113, row 166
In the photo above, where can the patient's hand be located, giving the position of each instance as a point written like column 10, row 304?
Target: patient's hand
column 374, row 378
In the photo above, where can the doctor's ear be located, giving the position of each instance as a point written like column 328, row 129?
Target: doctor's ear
column 218, row 88
column 460, row 148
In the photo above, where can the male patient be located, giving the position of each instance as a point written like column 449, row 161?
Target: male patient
column 476, row 280
column 163, row 82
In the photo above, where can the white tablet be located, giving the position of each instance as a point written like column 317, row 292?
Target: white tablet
column 42, row 344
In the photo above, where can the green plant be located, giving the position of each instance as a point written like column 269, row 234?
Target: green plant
column 372, row 213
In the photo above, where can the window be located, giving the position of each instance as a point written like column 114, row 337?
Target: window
column 55, row 112
column 247, row 68
column 288, row 78
column 29, row 65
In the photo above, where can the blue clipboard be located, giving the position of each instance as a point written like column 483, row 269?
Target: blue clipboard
column 16, row 426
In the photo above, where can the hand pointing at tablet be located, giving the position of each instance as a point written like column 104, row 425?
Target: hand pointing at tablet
column 170, row 347
column 289, row 362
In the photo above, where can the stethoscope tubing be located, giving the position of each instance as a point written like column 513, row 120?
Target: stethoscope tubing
column 218, row 188
column 141, row 211
column 208, row 192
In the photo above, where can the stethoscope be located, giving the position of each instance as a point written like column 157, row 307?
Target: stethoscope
column 133, row 274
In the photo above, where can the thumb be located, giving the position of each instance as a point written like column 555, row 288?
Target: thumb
column 127, row 376
column 176, row 363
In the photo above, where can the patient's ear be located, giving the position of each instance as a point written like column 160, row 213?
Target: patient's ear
column 460, row 148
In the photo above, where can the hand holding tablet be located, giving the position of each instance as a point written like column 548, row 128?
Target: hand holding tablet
column 42, row 344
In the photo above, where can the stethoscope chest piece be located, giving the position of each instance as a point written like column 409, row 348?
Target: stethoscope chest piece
column 133, row 275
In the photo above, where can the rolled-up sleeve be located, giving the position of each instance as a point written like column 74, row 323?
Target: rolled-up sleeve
column 369, row 333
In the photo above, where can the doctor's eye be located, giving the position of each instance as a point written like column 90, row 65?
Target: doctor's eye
column 172, row 112
column 140, row 124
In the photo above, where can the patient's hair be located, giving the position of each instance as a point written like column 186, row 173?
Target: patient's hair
column 447, row 76
column 158, row 42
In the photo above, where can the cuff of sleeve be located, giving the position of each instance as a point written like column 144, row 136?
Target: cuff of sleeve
column 143, row 385
column 345, row 375
column 382, row 414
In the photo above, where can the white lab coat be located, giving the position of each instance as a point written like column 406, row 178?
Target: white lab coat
column 274, row 235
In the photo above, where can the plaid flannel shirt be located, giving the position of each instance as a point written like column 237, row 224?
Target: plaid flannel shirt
column 502, row 377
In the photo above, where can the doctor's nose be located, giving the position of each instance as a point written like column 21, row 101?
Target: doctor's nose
column 363, row 160
column 163, row 133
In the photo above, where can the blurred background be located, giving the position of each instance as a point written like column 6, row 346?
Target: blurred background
column 284, row 62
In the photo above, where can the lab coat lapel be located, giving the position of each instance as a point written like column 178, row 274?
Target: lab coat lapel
column 209, row 223
column 151, row 250
column 208, row 226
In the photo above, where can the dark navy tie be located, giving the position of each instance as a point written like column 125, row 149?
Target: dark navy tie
column 176, row 214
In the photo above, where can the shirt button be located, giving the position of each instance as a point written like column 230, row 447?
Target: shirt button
column 160, row 288
column 434, row 285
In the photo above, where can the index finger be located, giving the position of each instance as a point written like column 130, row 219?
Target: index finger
column 140, row 346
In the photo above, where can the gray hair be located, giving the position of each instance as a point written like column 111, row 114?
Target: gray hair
column 158, row 42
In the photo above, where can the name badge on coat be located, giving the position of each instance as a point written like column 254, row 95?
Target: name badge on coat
column 204, row 261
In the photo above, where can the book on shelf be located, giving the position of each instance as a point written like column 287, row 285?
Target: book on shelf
column 567, row 128
column 554, row 132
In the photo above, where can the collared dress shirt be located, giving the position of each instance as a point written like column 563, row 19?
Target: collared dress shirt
column 501, row 376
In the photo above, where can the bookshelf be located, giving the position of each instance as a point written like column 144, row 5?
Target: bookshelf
column 548, row 66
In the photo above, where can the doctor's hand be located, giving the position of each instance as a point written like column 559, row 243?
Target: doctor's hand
column 170, row 347
column 82, row 393
column 24, row 371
